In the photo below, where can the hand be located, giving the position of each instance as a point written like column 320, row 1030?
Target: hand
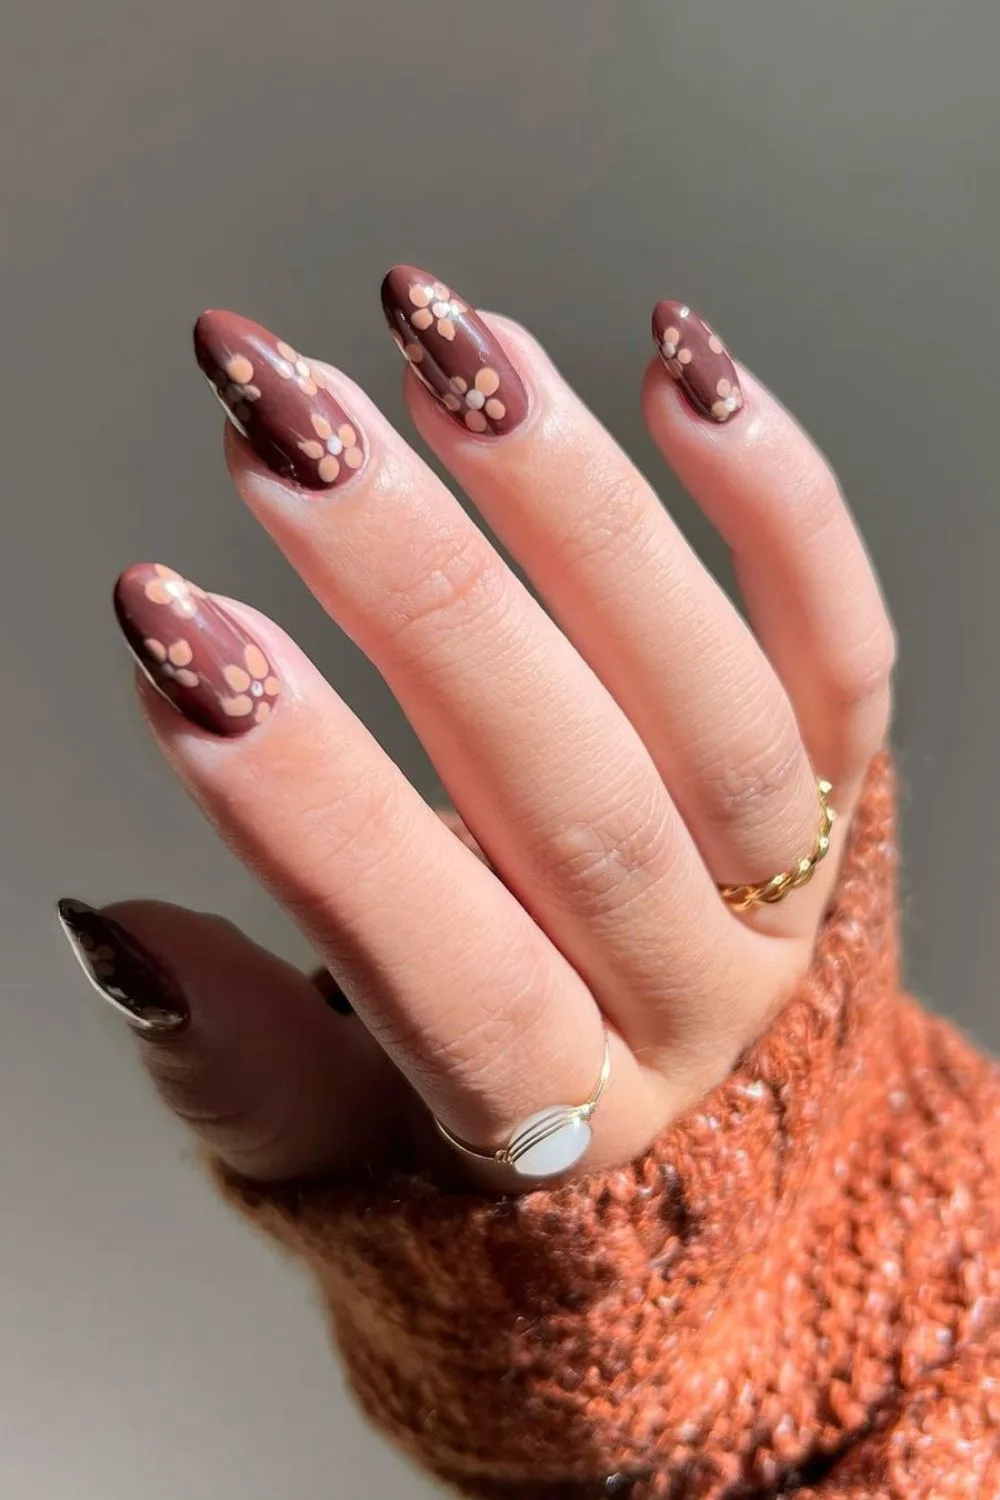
column 616, row 760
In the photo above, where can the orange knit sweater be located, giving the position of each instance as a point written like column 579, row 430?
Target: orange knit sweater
column 795, row 1291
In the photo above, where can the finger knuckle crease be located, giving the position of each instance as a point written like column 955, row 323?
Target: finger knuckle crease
column 459, row 576
column 599, row 864
column 739, row 792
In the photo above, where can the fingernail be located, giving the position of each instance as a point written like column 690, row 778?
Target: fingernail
column 332, row 993
column 278, row 401
column 125, row 972
column 453, row 353
column 193, row 651
column 698, row 360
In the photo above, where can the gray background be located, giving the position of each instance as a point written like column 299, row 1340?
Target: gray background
column 821, row 180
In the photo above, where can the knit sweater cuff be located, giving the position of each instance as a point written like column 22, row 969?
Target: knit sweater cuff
column 738, row 1305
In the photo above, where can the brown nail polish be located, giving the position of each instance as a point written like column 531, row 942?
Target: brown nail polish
column 125, row 972
column 453, row 353
column 698, row 360
column 278, row 401
column 193, row 651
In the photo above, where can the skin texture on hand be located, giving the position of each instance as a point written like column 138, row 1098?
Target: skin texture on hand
column 614, row 757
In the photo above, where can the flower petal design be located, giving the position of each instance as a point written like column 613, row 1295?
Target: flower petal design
column 311, row 448
column 321, row 426
column 488, row 381
column 422, row 319
column 239, row 369
column 185, row 678
column 237, row 708
column 421, row 296
column 446, row 329
column 475, row 421
column 329, row 468
column 354, row 458
column 257, row 664
column 180, row 653
column 236, row 678
column 156, row 649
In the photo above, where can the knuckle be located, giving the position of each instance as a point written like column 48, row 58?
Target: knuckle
column 206, row 1098
column 476, row 1039
column 755, row 785
column 864, row 676
column 861, row 694
column 597, row 866
column 611, row 516
column 453, row 576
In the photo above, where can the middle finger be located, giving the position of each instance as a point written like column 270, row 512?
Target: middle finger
column 547, row 772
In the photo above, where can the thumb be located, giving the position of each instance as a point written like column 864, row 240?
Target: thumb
column 239, row 1043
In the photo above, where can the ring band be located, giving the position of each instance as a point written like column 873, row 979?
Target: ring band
column 767, row 892
column 548, row 1142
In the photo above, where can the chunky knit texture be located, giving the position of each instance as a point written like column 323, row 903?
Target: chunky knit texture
column 795, row 1291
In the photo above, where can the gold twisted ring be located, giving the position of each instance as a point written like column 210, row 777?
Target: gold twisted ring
column 767, row 892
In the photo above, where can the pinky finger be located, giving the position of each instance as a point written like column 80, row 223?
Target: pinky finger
column 239, row 1043
column 808, row 583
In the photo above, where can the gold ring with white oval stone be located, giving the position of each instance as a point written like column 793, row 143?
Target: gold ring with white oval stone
column 548, row 1142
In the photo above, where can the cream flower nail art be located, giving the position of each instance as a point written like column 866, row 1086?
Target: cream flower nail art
column 435, row 307
column 168, row 588
column 728, row 399
column 282, row 404
column 476, row 402
column 453, row 353
column 332, row 448
column 99, row 956
column 173, row 662
column 212, row 670
column 697, row 359
column 291, row 366
column 235, row 389
column 675, row 354
column 253, row 685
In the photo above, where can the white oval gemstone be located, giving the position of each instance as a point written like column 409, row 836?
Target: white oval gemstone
column 549, row 1142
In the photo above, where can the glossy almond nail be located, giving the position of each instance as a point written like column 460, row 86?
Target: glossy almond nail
column 453, row 353
column 194, row 651
column 698, row 360
column 124, row 972
column 278, row 401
